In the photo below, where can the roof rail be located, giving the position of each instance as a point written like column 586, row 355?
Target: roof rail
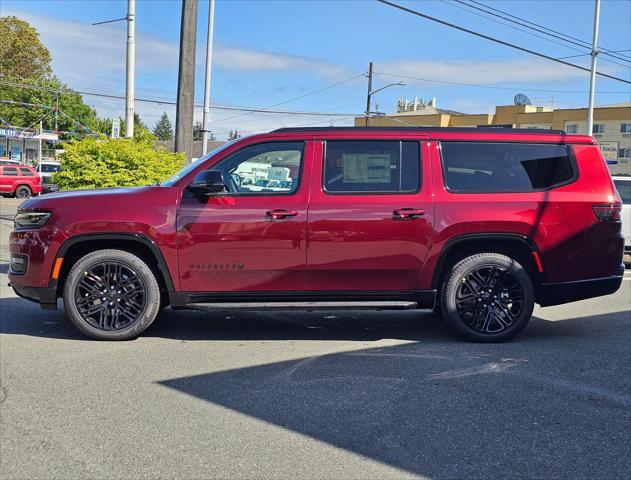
column 499, row 129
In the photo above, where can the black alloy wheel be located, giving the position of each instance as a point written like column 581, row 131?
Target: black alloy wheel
column 487, row 297
column 110, row 296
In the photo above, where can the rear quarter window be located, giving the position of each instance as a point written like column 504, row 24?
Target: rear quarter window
column 484, row 167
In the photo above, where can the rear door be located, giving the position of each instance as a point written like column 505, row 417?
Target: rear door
column 370, row 215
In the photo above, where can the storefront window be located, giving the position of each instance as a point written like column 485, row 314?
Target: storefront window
column 31, row 151
column 15, row 149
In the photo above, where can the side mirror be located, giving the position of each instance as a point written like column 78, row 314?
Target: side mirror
column 207, row 182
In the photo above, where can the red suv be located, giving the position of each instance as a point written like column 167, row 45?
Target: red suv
column 479, row 224
column 20, row 181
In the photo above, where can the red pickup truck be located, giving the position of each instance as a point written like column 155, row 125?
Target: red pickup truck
column 479, row 224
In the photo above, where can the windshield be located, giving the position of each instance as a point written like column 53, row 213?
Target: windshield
column 172, row 180
column 49, row 168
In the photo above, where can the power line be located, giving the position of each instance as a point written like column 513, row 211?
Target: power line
column 295, row 98
column 172, row 102
column 585, row 43
column 497, row 40
column 467, row 7
column 477, row 85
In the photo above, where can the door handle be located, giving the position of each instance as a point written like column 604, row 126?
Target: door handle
column 279, row 214
column 407, row 213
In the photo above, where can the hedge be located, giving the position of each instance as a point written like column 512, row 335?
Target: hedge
column 102, row 163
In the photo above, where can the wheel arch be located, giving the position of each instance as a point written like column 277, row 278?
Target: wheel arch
column 77, row 246
column 516, row 246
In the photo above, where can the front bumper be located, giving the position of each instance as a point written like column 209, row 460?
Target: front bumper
column 559, row 293
column 45, row 296
column 49, row 188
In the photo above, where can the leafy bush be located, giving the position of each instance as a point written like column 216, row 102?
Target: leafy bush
column 98, row 163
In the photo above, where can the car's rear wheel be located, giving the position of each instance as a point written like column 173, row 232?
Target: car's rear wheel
column 487, row 297
column 23, row 192
column 111, row 295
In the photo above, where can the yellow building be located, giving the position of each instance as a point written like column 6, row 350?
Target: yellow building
column 612, row 123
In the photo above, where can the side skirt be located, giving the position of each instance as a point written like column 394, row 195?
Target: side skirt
column 307, row 300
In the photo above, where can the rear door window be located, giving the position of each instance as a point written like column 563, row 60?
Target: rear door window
column 11, row 171
column 478, row 167
column 372, row 166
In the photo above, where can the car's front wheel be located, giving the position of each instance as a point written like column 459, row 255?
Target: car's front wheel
column 111, row 295
column 487, row 297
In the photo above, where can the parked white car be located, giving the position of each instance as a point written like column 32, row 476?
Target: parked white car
column 46, row 169
column 623, row 185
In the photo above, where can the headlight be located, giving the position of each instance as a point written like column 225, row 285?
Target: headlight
column 30, row 219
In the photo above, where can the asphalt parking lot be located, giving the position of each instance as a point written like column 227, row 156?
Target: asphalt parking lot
column 315, row 395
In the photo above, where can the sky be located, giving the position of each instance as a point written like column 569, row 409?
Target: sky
column 312, row 56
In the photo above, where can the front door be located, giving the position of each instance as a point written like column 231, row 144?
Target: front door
column 370, row 216
column 253, row 236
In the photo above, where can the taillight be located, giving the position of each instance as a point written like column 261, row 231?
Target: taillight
column 608, row 213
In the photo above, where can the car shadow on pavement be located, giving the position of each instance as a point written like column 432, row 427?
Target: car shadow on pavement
column 453, row 411
column 20, row 317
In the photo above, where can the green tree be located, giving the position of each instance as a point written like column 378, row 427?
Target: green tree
column 140, row 129
column 198, row 131
column 233, row 135
column 22, row 55
column 98, row 163
column 32, row 91
column 163, row 129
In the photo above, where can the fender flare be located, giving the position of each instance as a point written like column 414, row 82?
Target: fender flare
column 133, row 237
column 454, row 242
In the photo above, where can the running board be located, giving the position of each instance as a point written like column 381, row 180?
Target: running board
column 354, row 305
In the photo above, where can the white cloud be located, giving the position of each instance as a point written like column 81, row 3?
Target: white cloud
column 484, row 73
column 94, row 55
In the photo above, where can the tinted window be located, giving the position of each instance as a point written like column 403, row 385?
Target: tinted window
column 504, row 167
column 372, row 166
column 26, row 172
column 624, row 189
column 263, row 169
column 12, row 171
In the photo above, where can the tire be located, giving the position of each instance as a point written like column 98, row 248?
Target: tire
column 23, row 192
column 487, row 297
column 130, row 301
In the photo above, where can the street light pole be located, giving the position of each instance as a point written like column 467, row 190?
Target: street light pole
column 130, row 71
column 592, row 76
column 209, row 54
column 131, row 67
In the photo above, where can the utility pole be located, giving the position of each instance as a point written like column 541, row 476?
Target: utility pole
column 368, row 94
column 186, row 80
column 209, row 55
column 131, row 67
column 39, row 142
column 130, row 73
column 592, row 75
